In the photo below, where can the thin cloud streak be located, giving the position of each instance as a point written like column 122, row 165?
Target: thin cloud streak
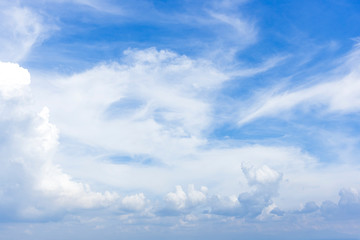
column 339, row 95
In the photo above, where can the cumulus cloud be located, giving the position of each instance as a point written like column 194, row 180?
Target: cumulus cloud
column 134, row 202
column 182, row 201
column 348, row 206
column 265, row 182
column 33, row 185
column 13, row 80
column 178, row 198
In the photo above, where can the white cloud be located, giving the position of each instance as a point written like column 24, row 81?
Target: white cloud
column 13, row 80
column 156, row 99
column 196, row 197
column 266, row 182
column 338, row 92
column 261, row 176
column 178, row 198
column 134, row 202
column 21, row 28
column 35, row 184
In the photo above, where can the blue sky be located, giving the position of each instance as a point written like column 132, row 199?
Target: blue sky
column 232, row 119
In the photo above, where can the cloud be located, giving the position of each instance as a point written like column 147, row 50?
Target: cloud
column 177, row 199
column 13, row 80
column 264, row 180
column 180, row 201
column 266, row 183
column 34, row 186
column 159, row 105
column 244, row 30
column 134, row 202
column 167, row 94
column 347, row 208
column 309, row 208
column 21, row 29
column 267, row 65
column 338, row 92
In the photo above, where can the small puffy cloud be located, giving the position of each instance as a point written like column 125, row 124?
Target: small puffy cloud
column 177, row 198
column 185, row 201
column 261, row 176
column 196, row 197
column 134, row 202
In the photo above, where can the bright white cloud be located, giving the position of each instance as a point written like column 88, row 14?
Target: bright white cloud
column 13, row 80
column 37, row 185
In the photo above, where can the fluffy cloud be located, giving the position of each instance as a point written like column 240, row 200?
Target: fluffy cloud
column 156, row 99
column 134, row 202
column 348, row 206
column 33, row 186
column 179, row 200
column 14, row 80
column 265, row 182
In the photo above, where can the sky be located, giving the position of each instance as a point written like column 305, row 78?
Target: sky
column 159, row 119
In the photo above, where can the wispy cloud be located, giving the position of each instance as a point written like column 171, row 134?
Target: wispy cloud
column 337, row 92
column 21, row 29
